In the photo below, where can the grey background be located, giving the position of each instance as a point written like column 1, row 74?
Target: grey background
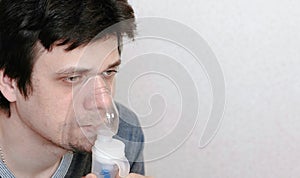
column 257, row 44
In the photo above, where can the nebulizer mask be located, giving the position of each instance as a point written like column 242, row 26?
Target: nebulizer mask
column 100, row 110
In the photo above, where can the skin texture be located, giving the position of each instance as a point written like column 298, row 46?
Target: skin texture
column 52, row 99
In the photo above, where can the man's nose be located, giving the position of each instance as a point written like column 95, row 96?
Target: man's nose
column 100, row 96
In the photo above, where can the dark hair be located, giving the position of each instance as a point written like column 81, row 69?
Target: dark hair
column 23, row 23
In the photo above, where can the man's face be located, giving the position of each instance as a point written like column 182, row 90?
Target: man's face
column 58, row 78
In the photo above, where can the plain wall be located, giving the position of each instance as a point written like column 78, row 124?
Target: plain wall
column 257, row 44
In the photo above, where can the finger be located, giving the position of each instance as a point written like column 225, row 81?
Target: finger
column 133, row 175
column 90, row 176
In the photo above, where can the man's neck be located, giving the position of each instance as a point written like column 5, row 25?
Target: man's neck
column 27, row 154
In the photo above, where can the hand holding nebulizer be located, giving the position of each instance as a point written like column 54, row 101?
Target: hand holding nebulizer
column 108, row 153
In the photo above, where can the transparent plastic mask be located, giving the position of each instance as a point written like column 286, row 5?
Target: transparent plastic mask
column 94, row 107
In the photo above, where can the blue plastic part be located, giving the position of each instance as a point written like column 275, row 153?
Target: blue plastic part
column 105, row 173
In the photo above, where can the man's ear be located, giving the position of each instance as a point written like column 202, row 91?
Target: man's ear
column 7, row 87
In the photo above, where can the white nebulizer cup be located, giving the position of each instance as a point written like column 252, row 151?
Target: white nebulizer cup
column 108, row 154
column 109, row 158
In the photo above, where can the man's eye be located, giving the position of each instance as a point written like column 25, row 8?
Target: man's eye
column 109, row 73
column 73, row 79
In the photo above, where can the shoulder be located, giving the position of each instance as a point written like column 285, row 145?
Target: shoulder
column 127, row 115
column 129, row 126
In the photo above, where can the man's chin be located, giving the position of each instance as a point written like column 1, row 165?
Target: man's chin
column 81, row 149
column 83, row 146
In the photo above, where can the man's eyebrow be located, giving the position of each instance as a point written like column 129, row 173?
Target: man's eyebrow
column 115, row 64
column 72, row 70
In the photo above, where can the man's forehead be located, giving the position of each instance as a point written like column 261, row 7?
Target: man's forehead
column 101, row 52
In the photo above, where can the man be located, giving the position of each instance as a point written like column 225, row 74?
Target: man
column 48, row 51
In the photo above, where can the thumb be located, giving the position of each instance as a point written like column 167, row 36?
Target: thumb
column 90, row 176
column 133, row 175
